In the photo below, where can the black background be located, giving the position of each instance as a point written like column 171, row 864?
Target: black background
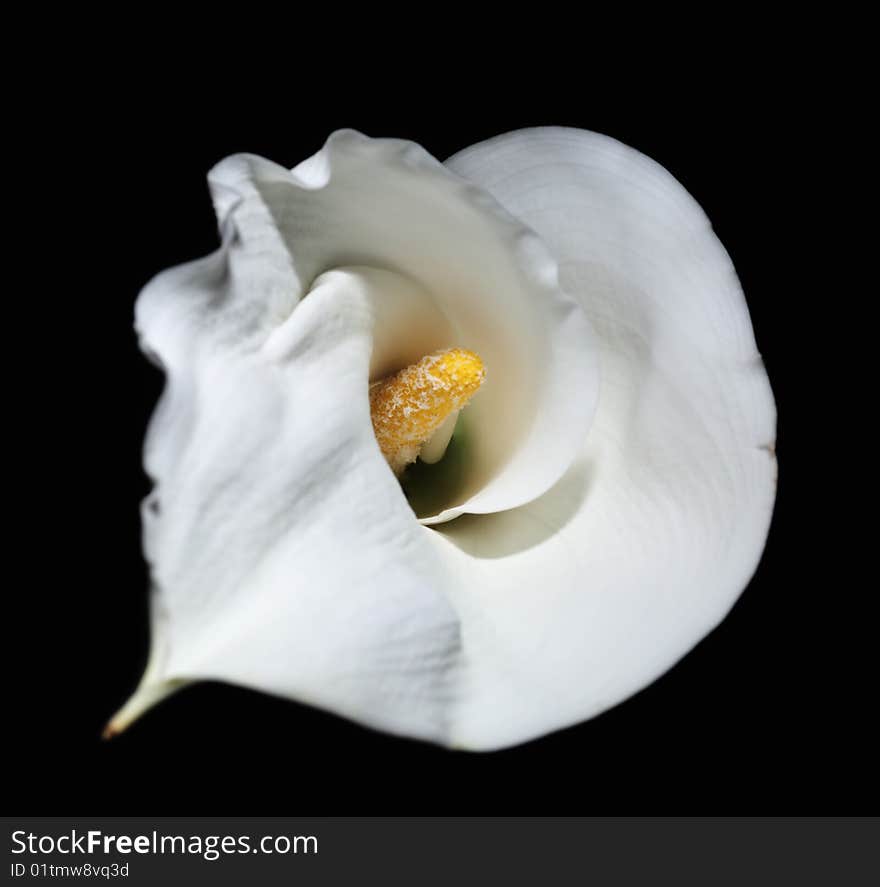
column 765, row 715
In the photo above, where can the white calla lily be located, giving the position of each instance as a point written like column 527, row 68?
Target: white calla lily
column 584, row 559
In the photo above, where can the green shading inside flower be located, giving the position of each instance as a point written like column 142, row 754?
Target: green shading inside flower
column 432, row 488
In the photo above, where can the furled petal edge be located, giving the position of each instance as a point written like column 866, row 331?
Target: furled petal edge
column 584, row 596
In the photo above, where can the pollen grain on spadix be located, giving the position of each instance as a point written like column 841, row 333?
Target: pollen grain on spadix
column 410, row 406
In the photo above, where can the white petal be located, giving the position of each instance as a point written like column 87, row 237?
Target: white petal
column 574, row 602
column 283, row 552
column 291, row 567
column 491, row 285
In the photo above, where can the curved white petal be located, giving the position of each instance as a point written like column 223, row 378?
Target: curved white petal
column 490, row 284
column 283, row 553
column 572, row 603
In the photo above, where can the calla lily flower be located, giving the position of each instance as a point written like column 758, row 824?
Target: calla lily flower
column 605, row 496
